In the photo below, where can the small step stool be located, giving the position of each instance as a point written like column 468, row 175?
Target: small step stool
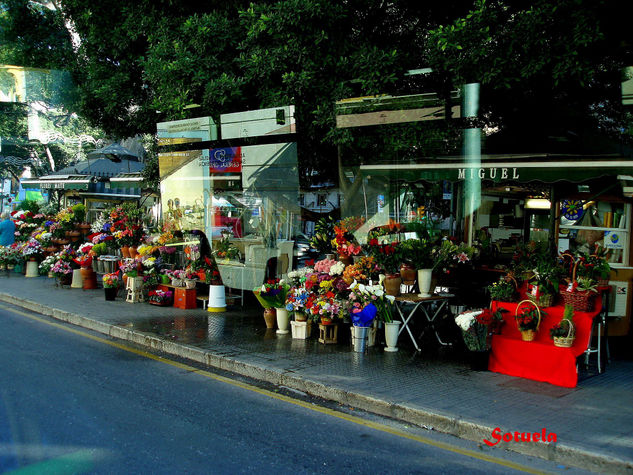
column 134, row 289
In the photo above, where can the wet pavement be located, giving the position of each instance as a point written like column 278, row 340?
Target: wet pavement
column 593, row 422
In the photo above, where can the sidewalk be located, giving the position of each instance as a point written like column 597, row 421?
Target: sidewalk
column 593, row 422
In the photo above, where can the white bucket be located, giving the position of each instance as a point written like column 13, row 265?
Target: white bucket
column 77, row 282
column 217, row 299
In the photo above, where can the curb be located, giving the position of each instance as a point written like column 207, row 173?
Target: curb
column 448, row 424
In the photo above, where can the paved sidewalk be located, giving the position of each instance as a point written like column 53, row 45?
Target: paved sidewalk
column 593, row 422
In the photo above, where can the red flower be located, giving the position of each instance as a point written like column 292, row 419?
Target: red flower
column 373, row 242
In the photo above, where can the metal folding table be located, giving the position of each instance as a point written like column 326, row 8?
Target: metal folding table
column 430, row 307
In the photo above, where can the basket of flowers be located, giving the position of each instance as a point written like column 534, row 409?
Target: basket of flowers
column 580, row 294
column 162, row 298
column 564, row 332
column 528, row 318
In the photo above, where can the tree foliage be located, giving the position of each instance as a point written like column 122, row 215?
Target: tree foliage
column 549, row 69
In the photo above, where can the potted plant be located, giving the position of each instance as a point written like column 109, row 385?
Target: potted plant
column 111, row 285
column 528, row 319
column 62, row 270
column 581, row 294
column 416, row 255
column 388, row 257
column 503, row 290
column 160, row 297
column 564, row 332
column 544, row 284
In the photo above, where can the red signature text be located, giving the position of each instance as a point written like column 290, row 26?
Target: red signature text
column 517, row 436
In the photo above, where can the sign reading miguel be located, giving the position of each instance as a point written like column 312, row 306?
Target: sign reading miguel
column 225, row 160
column 491, row 173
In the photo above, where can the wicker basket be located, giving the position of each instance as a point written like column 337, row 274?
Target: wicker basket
column 543, row 300
column 580, row 301
column 566, row 341
column 528, row 335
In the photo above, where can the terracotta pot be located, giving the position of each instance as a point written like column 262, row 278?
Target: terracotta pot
column 392, row 284
column 408, row 273
column 270, row 316
column 84, row 228
column 326, row 321
column 347, row 260
column 125, row 251
column 89, row 278
column 63, row 242
column 133, row 252
column 73, row 235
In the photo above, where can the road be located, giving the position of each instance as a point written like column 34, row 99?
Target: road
column 73, row 401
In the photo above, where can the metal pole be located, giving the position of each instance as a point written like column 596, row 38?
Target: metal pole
column 472, row 157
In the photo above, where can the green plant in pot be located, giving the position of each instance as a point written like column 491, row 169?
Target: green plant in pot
column 79, row 212
column 545, row 282
column 503, row 291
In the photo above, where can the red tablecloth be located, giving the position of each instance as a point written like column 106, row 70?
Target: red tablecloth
column 540, row 360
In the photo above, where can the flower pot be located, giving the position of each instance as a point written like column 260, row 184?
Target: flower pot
column 110, row 293
column 133, row 252
column 479, row 360
column 300, row 317
column 125, row 251
column 270, row 316
column 425, row 277
column 77, row 282
column 217, row 299
column 283, row 321
column 164, row 279
column 32, row 269
column 65, row 279
column 407, row 273
column 190, row 284
column 346, row 260
column 392, row 284
column 528, row 335
column 301, row 330
column 359, row 338
column 73, row 236
column 392, row 329
column 88, row 277
column 326, row 321
column 177, row 282
column 84, row 228
column 50, row 274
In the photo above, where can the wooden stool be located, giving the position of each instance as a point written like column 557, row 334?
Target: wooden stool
column 328, row 334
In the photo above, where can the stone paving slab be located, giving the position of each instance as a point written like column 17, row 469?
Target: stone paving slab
column 594, row 422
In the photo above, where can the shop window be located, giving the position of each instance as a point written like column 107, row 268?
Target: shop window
column 584, row 224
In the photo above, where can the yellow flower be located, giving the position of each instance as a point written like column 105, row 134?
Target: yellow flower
column 326, row 284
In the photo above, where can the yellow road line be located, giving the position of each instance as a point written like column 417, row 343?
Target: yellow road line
column 281, row 397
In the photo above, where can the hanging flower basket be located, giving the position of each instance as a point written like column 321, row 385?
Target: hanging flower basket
column 580, row 301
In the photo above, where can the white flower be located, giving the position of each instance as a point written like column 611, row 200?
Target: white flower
column 263, row 289
column 391, row 298
column 337, row 269
column 465, row 320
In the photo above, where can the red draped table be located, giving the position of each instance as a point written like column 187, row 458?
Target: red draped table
column 540, row 360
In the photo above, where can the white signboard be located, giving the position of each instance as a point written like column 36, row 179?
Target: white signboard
column 613, row 240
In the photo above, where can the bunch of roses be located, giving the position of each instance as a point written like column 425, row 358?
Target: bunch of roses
column 324, row 265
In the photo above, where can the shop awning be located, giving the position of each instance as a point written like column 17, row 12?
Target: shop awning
column 546, row 169
column 58, row 182
column 126, row 180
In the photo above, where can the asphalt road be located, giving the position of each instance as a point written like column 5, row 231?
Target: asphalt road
column 75, row 403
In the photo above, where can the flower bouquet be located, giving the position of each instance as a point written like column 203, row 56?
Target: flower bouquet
column 296, row 300
column 32, row 249
column 272, row 294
